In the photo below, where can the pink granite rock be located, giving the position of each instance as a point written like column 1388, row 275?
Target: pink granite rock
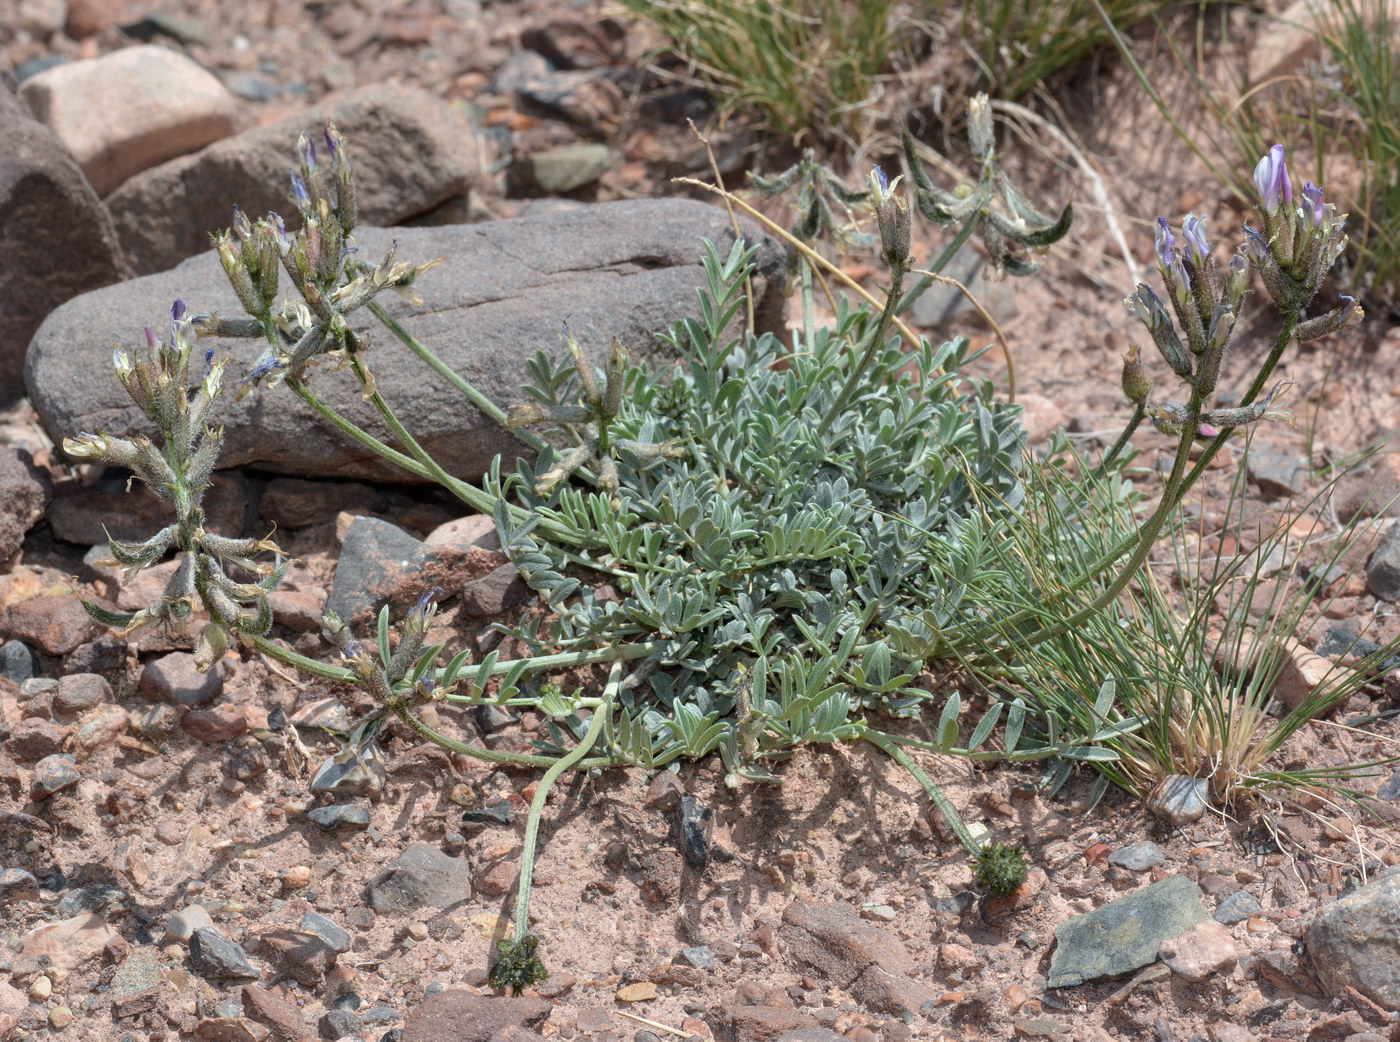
column 131, row 110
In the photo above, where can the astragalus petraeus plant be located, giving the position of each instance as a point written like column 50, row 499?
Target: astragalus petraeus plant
column 795, row 528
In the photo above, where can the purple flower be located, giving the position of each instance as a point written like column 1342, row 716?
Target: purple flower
column 307, row 148
column 1166, row 242
column 884, row 181
column 299, row 193
column 150, row 337
column 1271, row 178
column 1147, row 306
column 268, row 363
column 1193, row 228
column 424, row 599
column 177, row 312
column 242, row 227
column 1312, row 203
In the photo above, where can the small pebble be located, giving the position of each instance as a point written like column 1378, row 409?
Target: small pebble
column 41, row 989
column 418, row 931
column 60, row 1017
column 298, row 877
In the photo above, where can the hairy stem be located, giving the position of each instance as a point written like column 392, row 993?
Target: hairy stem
column 949, row 812
column 872, row 347
column 532, row 822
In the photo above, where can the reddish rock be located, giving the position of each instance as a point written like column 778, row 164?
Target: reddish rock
column 759, row 1023
column 81, row 691
column 300, row 610
column 90, row 17
column 1204, row 949
column 831, row 939
column 464, row 1016
column 54, row 624
column 68, row 943
column 498, row 879
column 131, row 110
column 220, row 724
column 101, row 727
column 273, row 1008
column 472, row 530
column 35, row 738
column 500, row 590
column 58, row 240
column 299, row 954
column 175, row 678
column 578, row 43
column 231, row 1029
column 166, row 214
column 25, row 490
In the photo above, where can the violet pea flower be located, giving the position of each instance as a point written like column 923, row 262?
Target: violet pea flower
column 1312, row 204
column 299, row 192
column 1166, row 242
column 1271, row 178
column 1193, row 228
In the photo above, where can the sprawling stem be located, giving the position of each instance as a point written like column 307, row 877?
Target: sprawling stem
column 574, row 759
column 872, row 347
column 949, row 812
column 353, row 432
column 944, row 259
column 1174, row 490
column 488, row 408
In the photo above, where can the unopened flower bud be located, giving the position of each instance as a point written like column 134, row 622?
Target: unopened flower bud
column 300, row 196
column 1193, row 229
column 1312, row 209
column 586, row 377
column 1137, row 378
column 616, row 377
column 242, row 227
column 892, row 215
column 980, row 134
column 306, row 148
column 1345, row 315
column 1271, row 179
column 1166, row 244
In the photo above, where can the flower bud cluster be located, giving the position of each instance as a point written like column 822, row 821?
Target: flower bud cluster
column 180, row 472
column 591, row 422
column 1298, row 245
column 1292, row 255
column 318, row 261
column 1008, row 234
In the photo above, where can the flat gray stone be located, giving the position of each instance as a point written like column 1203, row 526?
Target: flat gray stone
column 216, row 958
column 1236, row 908
column 1123, row 935
column 165, row 214
column 1383, row 568
column 1139, row 856
column 421, row 875
column 1355, row 941
column 624, row 270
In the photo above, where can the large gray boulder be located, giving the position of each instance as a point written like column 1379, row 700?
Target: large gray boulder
column 622, row 270
column 1354, row 942
column 412, row 151
column 56, row 240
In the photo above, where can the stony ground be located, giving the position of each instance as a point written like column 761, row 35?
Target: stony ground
column 176, row 862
